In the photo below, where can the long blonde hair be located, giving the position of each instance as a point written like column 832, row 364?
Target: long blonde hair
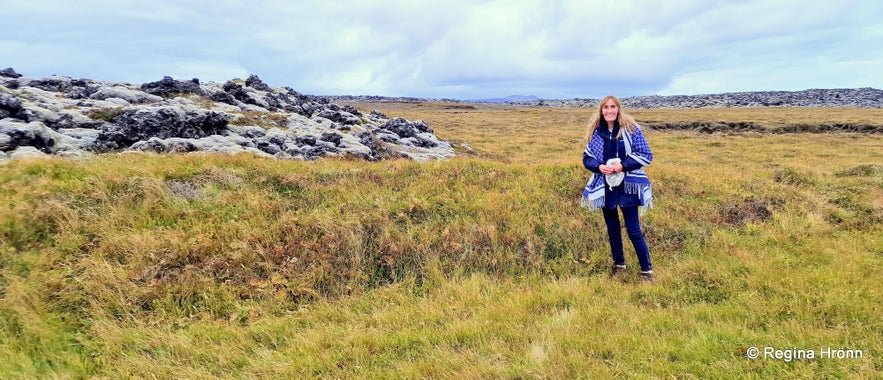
column 624, row 119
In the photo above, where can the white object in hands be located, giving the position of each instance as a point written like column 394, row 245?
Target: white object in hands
column 613, row 180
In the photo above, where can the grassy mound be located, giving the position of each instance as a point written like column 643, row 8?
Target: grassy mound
column 206, row 266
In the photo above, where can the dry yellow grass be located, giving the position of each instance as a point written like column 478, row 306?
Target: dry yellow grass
column 548, row 135
column 770, row 117
column 204, row 266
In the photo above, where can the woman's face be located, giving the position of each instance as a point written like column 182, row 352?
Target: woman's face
column 610, row 110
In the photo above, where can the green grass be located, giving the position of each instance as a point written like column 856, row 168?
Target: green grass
column 106, row 114
column 206, row 266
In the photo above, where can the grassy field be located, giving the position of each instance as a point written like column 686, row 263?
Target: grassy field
column 483, row 266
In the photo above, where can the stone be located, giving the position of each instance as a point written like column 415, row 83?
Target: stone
column 254, row 82
column 26, row 152
column 9, row 105
column 342, row 117
column 9, row 73
column 128, row 95
column 377, row 115
column 15, row 134
column 168, row 86
column 52, row 84
column 142, row 123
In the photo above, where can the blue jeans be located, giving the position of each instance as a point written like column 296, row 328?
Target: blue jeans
column 633, row 229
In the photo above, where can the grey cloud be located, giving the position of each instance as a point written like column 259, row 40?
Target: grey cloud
column 456, row 48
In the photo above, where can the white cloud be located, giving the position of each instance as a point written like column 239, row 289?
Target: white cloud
column 786, row 77
column 456, row 48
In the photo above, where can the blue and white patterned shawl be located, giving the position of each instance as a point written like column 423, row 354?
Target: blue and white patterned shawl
column 636, row 181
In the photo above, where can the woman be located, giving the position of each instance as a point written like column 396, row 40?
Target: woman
column 616, row 153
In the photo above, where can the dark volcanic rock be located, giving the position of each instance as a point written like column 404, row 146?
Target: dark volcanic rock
column 9, row 105
column 169, row 86
column 53, row 84
column 238, row 92
column 342, row 117
column 331, row 137
column 14, row 133
column 405, row 128
column 135, row 124
column 256, row 83
column 9, row 73
column 223, row 97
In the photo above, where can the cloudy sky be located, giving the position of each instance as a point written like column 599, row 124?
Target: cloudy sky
column 464, row 49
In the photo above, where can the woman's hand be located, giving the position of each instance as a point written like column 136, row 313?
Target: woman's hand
column 610, row 169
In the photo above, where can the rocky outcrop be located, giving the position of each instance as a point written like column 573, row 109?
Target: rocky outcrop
column 9, row 73
column 9, row 105
column 134, row 124
column 75, row 117
column 743, row 126
column 843, row 97
column 168, row 86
